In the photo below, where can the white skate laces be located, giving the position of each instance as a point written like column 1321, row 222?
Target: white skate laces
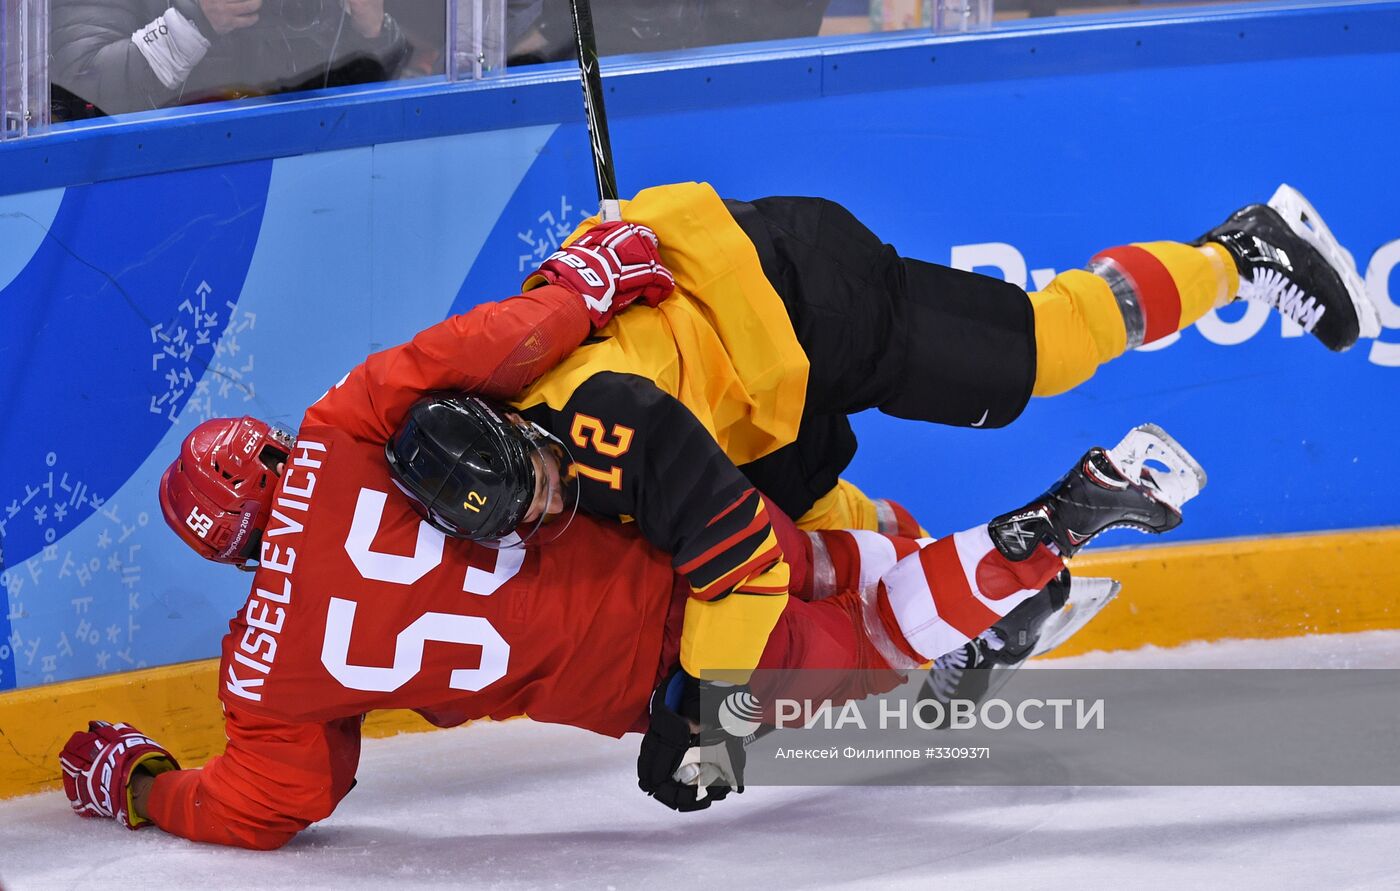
column 1150, row 456
column 1307, row 224
column 1275, row 289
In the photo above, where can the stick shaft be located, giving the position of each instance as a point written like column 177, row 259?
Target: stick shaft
column 592, row 82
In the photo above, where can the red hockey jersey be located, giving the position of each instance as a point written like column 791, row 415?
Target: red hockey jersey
column 358, row 605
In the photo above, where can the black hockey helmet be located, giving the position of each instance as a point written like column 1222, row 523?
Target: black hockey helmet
column 466, row 466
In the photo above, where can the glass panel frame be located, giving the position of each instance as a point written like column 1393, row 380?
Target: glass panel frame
column 476, row 39
column 24, row 68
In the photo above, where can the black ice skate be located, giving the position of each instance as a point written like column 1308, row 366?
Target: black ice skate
column 1289, row 259
column 980, row 667
column 1141, row 483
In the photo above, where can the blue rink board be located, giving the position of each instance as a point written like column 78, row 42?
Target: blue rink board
column 133, row 306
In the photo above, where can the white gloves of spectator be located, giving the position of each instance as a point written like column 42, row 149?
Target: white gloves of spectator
column 172, row 46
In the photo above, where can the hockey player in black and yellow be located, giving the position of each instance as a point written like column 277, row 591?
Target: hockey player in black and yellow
column 788, row 315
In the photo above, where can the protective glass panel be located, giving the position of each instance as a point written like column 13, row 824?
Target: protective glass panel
column 23, row 69
column 956, row 16
column 116, row 58
column 541, row 30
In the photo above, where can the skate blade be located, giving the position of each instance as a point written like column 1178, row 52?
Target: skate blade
column 1087, row 596
column 1171, row 471
column 1304, row 219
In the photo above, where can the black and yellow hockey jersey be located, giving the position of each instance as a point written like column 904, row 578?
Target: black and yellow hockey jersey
column 663, row 403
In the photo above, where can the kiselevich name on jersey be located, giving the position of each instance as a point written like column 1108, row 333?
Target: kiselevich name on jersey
column 266, row 611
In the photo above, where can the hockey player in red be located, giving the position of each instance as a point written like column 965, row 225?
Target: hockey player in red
column 359, row 604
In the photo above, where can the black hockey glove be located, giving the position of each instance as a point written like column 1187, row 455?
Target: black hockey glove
column 713, row 759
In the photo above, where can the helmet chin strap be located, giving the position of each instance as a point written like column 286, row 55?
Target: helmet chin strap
column 247, row 514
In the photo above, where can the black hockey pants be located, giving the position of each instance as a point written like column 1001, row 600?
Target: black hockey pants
column 914, row 339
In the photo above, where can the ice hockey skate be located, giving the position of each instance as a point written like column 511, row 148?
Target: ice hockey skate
column 983, row 665
column 1141, row 484
column 1289, row 259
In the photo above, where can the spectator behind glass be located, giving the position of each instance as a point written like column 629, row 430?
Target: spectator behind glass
column 542, row 31
column 424, row 24
column 114, row 56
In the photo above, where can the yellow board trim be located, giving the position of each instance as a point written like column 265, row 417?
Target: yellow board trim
column 1328, row 583
column 177, row 705
column 1282, row 586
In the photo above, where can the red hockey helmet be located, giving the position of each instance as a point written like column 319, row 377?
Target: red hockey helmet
column 217, row 495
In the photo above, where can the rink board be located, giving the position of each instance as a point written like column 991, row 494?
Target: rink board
column 162, row 272
column 1171, row 595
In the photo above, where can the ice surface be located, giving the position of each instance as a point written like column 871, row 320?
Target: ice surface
column 522, row 805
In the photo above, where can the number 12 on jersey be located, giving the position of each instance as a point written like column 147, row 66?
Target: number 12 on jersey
column 587, row 432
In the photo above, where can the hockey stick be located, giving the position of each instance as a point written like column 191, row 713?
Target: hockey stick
column 592, row 82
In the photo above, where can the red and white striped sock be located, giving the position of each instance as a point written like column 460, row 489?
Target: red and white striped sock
column 949, row 592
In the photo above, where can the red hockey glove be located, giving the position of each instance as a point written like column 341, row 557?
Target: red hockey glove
column 97, row 768
column 609, row 266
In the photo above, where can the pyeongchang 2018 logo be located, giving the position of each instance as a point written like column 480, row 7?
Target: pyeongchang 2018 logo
column 1011, row 263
